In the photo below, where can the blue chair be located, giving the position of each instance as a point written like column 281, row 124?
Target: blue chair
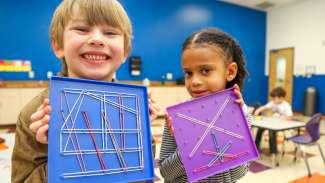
column 312, row 127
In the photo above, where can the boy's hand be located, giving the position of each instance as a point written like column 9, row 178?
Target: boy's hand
column 240, row 99
column 40, row 120
column 168, row 120
column 153, row 108
column 259, row 110
column 256, row 113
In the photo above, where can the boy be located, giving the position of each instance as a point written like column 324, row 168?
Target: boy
column 92, row 38
column 280, row 108
column 278, row 105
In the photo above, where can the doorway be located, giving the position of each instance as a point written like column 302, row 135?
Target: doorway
column 281, row 71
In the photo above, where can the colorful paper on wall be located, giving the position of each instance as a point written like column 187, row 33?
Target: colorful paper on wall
column 15, row 65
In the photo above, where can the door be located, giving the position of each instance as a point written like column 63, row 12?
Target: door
column 281, row 71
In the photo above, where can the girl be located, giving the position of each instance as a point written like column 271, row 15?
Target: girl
column 212, row 61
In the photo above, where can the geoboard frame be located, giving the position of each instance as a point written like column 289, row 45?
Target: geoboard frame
column 99, row 132
column 212, row 134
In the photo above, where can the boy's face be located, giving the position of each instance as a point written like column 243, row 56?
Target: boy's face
column 205, row 70
column 91, row 52
column 278, row 100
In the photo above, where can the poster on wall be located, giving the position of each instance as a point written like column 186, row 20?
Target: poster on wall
column 15, row 65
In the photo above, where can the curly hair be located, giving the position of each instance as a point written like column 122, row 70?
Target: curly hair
column 229, row 46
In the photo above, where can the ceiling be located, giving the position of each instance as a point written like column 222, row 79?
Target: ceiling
column 263, row 4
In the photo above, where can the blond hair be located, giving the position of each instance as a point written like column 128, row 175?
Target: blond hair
column 109, row 12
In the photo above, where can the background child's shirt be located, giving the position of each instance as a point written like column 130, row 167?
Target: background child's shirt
column 282, row 109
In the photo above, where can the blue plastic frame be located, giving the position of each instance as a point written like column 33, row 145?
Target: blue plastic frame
column 99, row 132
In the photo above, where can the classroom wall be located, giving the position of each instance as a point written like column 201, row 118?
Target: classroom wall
column 301, row 26
column 24, row 35
column 160, row 27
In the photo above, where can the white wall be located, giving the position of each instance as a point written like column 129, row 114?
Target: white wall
column 302, row 26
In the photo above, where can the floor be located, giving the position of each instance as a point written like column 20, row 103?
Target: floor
column 261, row 170
column 5, row 155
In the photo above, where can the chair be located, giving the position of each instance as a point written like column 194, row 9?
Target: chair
column 312, row 127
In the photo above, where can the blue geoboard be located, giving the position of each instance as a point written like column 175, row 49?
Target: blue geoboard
column 99, row 132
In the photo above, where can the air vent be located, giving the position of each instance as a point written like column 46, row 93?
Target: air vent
column 264, row 5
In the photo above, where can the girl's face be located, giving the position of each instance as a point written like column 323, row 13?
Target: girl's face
column 206, row 70
column 91, row 51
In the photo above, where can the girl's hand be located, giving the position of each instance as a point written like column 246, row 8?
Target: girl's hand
column 168, row 121
column 153, row 108
column 39, row 121
column 240, row 99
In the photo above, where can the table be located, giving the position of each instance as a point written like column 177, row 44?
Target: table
column 274, row 125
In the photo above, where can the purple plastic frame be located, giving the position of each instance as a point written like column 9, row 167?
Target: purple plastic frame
column 212, row 134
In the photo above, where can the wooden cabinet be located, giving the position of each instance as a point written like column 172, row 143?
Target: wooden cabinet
column 168, row 95
column 12, row 100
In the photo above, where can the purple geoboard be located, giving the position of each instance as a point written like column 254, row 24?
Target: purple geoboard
column 212, row 134
column 99, row 132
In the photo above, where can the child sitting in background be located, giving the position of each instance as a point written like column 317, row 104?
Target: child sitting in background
column 280, row 108
column 278, row 105
column 212, row 61
column 93, row 39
